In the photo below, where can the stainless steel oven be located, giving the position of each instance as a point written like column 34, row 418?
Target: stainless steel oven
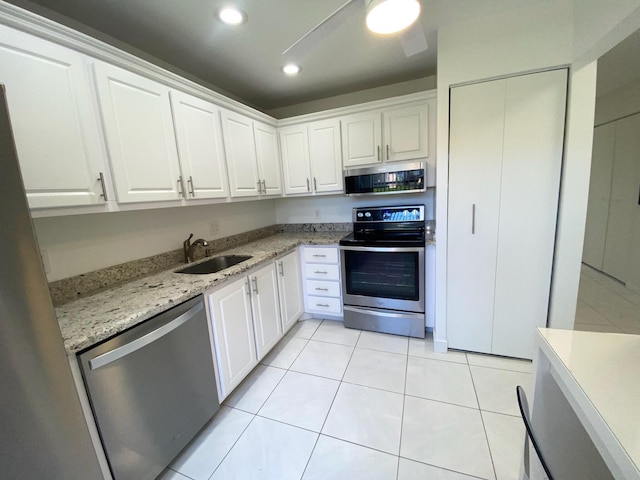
column 383, row 270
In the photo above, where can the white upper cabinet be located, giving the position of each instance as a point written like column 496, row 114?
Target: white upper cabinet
column 311, row 157
column 268, row 159
column 240, row 148
column 200, row 148
column 361, row 139
column 401, row 133
column 140, row 136
column 54, row 123
column 252, row 156
column 406, row 133
column 325, row 156
column 294, row 145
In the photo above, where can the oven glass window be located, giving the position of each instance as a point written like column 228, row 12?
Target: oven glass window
column 382, row 274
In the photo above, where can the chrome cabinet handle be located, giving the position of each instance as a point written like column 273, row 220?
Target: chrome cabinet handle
column 255, row 285
column 388, row 156
column 308, row 186
column 180, row 186
column 473, row 219
column 318, row 271
column 259, row 186
column 104, row 190
column 128, row 348
column 322, row 289
column 319, row 255
column 378, row 152
column 190, row 184
column 281, row 268
column 322, row 305
column 315, row 184
column 264, row 186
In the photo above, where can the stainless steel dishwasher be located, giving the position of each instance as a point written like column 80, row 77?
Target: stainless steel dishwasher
column 152, row 388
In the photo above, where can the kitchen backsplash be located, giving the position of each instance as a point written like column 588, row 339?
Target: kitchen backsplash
column 71, row 288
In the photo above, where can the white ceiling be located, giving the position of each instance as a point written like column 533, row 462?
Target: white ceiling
column 245, row 61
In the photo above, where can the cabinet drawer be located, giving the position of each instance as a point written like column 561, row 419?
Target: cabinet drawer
column 323, row 289
column 324, row 304
column 320, row 255
column 322, row 272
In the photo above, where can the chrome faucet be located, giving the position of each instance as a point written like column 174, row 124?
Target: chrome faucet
column 189, row 247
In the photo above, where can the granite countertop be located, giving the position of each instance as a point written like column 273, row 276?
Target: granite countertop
column 89, row 320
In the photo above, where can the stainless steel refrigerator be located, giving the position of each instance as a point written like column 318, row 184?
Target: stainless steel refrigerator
column 43, row 433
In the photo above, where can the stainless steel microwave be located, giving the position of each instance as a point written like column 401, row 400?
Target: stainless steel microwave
column 386, row 179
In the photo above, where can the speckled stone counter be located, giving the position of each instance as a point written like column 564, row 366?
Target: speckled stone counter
column 89, row 320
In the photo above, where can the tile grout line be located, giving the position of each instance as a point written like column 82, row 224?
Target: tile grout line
column 484, row 427
column 404, row 405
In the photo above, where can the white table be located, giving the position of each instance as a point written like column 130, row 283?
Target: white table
column 599, row 376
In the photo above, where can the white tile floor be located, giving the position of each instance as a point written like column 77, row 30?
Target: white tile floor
column 334, row 403
column 606, row 305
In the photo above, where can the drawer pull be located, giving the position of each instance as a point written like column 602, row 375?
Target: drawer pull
column 319, row 272
column 325, row 305
column 322, row 289
column 319, row 255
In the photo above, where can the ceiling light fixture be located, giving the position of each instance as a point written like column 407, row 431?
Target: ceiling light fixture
column 291, row 69
column 232, row 16
column 391, row 16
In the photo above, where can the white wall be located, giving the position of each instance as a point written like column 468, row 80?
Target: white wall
column 521, row 41
column 84, row 243
column 338, row 208
column 353, row 98
column 620, row 103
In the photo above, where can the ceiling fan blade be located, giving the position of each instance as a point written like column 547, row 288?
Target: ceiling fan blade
column 323, row 29
column 413, row 40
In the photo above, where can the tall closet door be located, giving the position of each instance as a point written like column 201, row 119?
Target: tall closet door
column 622, row 235
column 475, row 158
column 529, row 188
column 595, row 229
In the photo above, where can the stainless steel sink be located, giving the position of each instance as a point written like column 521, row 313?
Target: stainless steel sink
column 215, row 264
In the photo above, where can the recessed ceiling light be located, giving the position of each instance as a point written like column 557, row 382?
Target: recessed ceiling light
column 232, row 16
column 391, row 16
column 291, row 69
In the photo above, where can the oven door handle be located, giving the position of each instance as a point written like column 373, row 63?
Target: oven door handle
column 381, row 249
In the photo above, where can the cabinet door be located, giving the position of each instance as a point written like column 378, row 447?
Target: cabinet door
column 264, row 298
column 529, row 189
column 54, row 123
column 595, row 229
column 294, row 145
column 233, row 335
column 406, row 133
column 268, row 158
column 137, row 119
column 361, row 139
column 240, row 150
column 476, row 136
column 326, row 156
column 200, row 148
column 623, row 206
column 290, row 289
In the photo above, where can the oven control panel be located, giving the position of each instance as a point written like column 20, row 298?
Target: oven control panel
column 407, row 213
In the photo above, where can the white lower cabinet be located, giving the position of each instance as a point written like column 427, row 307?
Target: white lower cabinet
column 290, row 289
column 266, row 312
column 229, row 311
column 322, row 287
column 249, row 316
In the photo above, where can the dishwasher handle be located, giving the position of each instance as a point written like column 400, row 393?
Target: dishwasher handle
column 117, row 353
